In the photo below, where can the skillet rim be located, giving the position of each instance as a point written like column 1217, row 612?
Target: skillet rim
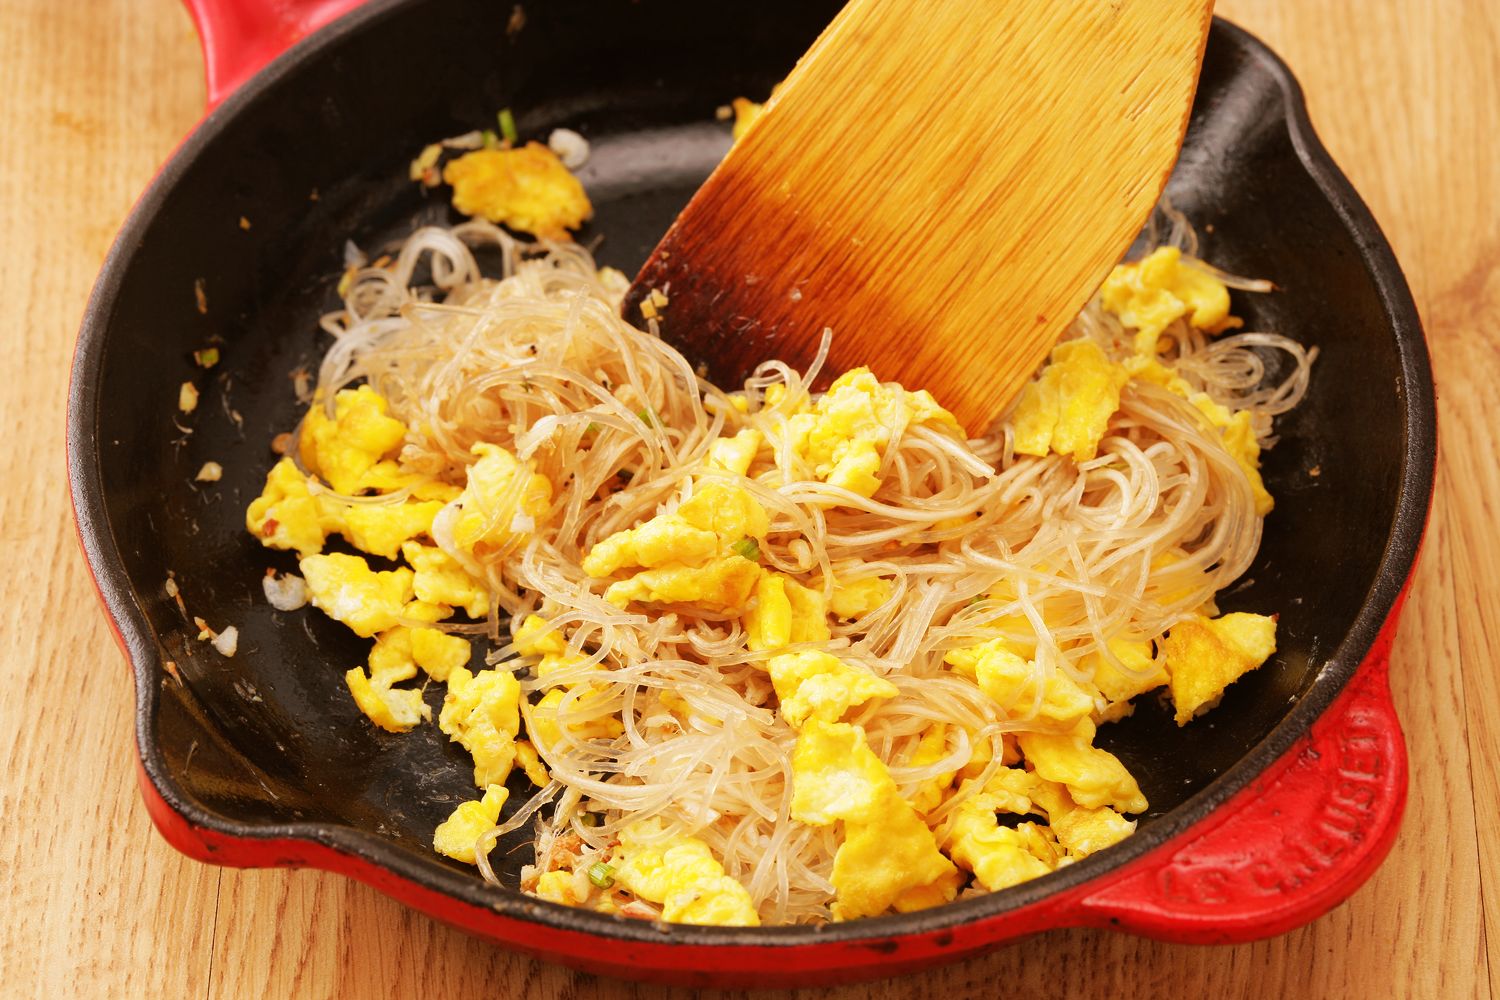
column 1413, row 501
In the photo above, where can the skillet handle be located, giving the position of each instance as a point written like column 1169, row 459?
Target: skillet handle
column 241, row 36
column 1288, row 848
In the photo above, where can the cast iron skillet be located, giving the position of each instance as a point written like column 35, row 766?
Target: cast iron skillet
column 1264, row 815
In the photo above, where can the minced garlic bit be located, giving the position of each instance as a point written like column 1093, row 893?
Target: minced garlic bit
column 187, row 397
column 284, row 593
column 227, row 642
column 211, row 472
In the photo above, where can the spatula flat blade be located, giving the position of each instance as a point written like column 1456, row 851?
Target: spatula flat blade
column 943, row 183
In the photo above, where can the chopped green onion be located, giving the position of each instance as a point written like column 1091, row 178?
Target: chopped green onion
column 508, row 126
column 747, row 547
column 648, row 417
column 601, row 874
column 206, row 358
column 491, row 140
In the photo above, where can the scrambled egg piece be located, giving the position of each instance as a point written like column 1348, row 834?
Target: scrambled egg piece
column 545, row 728
column 856, row 598
column 784, row 612
column 931, row 748
column 557, row 887
column 527, row 189
column 343, row 449
column 536, row 771
column 1067, row 408
column 386, row 476
column 457, row 835
column 1011, row 683
column 1079, row 831
column 1204, row 656
column 500, row 503
column 536, row 637
column 1117, row 687
column 1153, row 293
column 746, row 112
column 395, row 710
column 1001, row 856
column 441, row 579
column 383, row 529
column 482, row 713
column 815, row 685
column 835, row 776
column 689, row 554
column 682, row 875
column 735, row 454
column 888, row 851
column 287, row 516
column 894, row 858
column 1237, row 429
column 349, row 591
column 1094, row 777
column 842, row 438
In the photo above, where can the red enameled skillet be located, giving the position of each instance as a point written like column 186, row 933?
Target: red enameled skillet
column 1265, row 814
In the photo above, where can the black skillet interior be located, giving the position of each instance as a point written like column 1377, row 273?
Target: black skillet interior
column 318, row 155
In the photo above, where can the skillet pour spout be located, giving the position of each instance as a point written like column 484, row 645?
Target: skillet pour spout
column 1261, row 821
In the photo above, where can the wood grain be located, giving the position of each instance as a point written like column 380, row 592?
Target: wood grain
column 982, row 208
column 93, row 95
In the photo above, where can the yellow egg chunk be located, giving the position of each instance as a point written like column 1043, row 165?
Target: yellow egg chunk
column 682, row 875
column 437, row 652
column 1244, row 448
column 344, row 448
column 481, row 712
column 1115, row 685
column 856, row 598
column 557, row 887
column 500, row 503
column 1067, row 408
column 527, row 189
column 931, row 748
column 1204, row 656
column 1082, row 832
column 387, row 477
column 381, row 529
column 835, row 776
column 535, row 636
column 723, row 584
column 441, row 579
column 746, row 112
column 349, row 591
column 1093, row 777
column 784, row 612
column 843, row 437
column 735, row 454
column 943, row 889
column 1153, row 293
column 287, row 516
column 545, row 726
column 531, row 763
column 1011, row 683
column 768, row 621
column 690, row 553
column 395, row 710
column 815, row 685
column 884, row 858
column 999, row 856
column 457, row 835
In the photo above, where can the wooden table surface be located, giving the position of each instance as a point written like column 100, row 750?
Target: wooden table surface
column 95, row 93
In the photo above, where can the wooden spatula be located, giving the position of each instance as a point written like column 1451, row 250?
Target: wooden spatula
column 943, row 183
